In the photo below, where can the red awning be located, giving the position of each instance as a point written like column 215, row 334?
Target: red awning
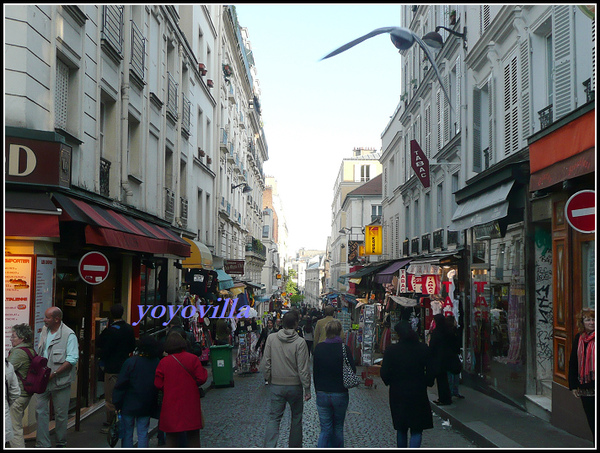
column 30, row 215
column 108, row 228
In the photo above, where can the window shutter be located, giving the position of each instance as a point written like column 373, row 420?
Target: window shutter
column 563, row 33
column 476, row 130
column 397, row 237
column 484, row 17
column 439, row 119
column 61, row 94
column 525, row 88
column 594, row 55
column 458, row 85
column 446, row 110
column 511, row 113
column 428, row 131
column 491, row 106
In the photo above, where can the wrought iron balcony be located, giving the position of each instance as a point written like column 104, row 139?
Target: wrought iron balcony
column 112, row 27
column 589, row 93
column 405, row 248
column 104, row 177
column 438, row 238
column 425, row 242
column 414, row 246
column 545, row 117
column 223, row 140
column 452, row 237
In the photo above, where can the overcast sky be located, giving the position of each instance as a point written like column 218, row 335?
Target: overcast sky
column 316, row 112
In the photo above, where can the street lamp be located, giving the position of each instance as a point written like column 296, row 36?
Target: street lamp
column 246, row 188
column 403, row 39
column 435, row 40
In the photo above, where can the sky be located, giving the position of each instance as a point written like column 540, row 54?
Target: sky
column 316, row 112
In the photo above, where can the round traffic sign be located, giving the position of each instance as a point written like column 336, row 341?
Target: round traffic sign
column 93, row 268
column 580, row 211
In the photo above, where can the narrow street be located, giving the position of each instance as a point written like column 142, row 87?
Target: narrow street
column 236, row 418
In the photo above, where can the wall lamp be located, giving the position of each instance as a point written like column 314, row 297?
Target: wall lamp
column 246, row 188
column 434, row 39
column 345, row 230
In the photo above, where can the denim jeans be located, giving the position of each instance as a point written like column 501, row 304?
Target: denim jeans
column 415, row 438
column 142, row 424
column 453, row 381
column 332, row 412
column 280, row 395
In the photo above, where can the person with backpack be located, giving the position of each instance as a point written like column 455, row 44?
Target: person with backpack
column 21, row 340
column 58, row 343
column 11, row 393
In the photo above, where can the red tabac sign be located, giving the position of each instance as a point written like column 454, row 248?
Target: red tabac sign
column 419, row 163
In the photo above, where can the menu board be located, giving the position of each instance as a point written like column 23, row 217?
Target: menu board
column 17, row 293
column 45, row 282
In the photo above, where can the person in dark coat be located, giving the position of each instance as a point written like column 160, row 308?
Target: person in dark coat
column 135, row 394
column 406, row 369
column 440, row 346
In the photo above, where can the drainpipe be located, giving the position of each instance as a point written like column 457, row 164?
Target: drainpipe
column 123, row 155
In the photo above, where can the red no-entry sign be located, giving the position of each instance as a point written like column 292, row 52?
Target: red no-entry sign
column 580, row 211
column 93, row 268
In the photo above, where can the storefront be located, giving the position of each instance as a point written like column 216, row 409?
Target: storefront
column 562, row 167
column 50, row 228
column 492, row 211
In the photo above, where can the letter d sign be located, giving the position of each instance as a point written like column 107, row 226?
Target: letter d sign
column 14, row 158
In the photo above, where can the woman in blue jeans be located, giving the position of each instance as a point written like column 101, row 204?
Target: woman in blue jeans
column 332, row 396
column 135, row 394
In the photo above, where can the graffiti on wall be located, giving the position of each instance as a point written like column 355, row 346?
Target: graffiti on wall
column 543, row 303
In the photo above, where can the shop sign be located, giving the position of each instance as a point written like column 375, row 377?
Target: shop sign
column 93, row 268
column 480, row 305
column 580, row 211
column 419, row 163
column 37, row 162
column 373, row 240
column 45, row 283
column 402, row 283
column 414, row 283
column 234, row 267
column 17, row 293
column 431, row 284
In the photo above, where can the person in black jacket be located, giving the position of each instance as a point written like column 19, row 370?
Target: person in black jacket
column 135, row 394
column 332, row 396
column 440, row 346
column 582, row 371
column 406, row 369
column 116, row 343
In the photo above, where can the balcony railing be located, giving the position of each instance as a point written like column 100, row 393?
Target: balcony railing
column 104, row 177
column 169, row 205
column 414, row 246
column 452, row 237
column 405, row 247
column 589, row 93
column 223, row 140
column 545, row 117
column 138, row 46
column 172, row 96
column 183, row 211
column 438, row 239
column 257, row 247
column 425, row 242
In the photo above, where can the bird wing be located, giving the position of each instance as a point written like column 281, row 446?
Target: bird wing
column 347, row 46
column 432, row 60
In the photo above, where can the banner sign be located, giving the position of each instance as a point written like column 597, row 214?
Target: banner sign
column 419, row 163
column 373, row 240
column 234, row 267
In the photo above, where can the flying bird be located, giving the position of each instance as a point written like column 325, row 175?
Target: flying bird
column 403, row 38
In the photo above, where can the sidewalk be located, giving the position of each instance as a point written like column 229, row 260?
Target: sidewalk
column 491, row 423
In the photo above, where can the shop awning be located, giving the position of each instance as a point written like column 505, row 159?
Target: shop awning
column 487, row 207
column 108, row 228
column 200, row 257
column 430, row 264
column 30, row 215
column 387, row 274
column 225, row 280
column 365, row 271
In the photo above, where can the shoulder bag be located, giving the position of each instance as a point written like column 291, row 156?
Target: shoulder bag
column 348, row 375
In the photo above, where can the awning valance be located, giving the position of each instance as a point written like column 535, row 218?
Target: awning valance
column 387, row 274
column 108, row 228
column 200, row 256
column 31, row 215
column 367, row 270
column 225, row 280
column 487, row 207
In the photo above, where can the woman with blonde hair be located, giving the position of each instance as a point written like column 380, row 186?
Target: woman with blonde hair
column 582, row 371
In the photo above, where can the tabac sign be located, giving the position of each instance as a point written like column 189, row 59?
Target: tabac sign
column 37, row 162
column 373, row 240
column 419, row 163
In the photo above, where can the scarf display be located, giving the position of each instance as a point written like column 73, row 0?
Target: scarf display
column 586, row 351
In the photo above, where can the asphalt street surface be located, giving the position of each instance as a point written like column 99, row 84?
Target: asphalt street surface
column 236, row 417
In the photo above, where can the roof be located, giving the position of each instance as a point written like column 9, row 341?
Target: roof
column 371, row 187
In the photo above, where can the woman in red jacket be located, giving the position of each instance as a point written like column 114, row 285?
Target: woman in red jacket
column 179, row 375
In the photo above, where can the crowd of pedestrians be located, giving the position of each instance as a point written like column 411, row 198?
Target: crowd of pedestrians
column 147, row 379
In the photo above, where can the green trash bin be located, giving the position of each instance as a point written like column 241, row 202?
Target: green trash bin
column 221, row 364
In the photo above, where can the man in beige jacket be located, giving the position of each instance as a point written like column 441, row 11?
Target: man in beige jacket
column 320, row 336
column 285, row 367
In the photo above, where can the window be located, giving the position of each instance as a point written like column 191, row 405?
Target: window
column 375, row 212
column 427, row 212
column 440, row 206
column 417, row 215
column 365, row 171
column 549, row 70
column 407, row 221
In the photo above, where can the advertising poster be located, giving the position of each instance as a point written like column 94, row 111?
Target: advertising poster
column 17, row 293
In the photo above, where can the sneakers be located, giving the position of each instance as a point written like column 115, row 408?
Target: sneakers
column 104, row 430
column 266, row 382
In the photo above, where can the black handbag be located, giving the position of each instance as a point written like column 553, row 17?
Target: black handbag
column 114, row 431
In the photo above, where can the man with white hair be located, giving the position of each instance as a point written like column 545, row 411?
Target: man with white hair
column 58, row 343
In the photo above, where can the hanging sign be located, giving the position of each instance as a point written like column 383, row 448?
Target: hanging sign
column 402, row 282
column 419, row 163
column 431, row 284
column 373, row 240
column 414, row 283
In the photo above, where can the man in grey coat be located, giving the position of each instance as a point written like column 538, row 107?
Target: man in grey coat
column 285, row 367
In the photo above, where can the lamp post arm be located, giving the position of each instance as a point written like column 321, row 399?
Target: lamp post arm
column 455, row 33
